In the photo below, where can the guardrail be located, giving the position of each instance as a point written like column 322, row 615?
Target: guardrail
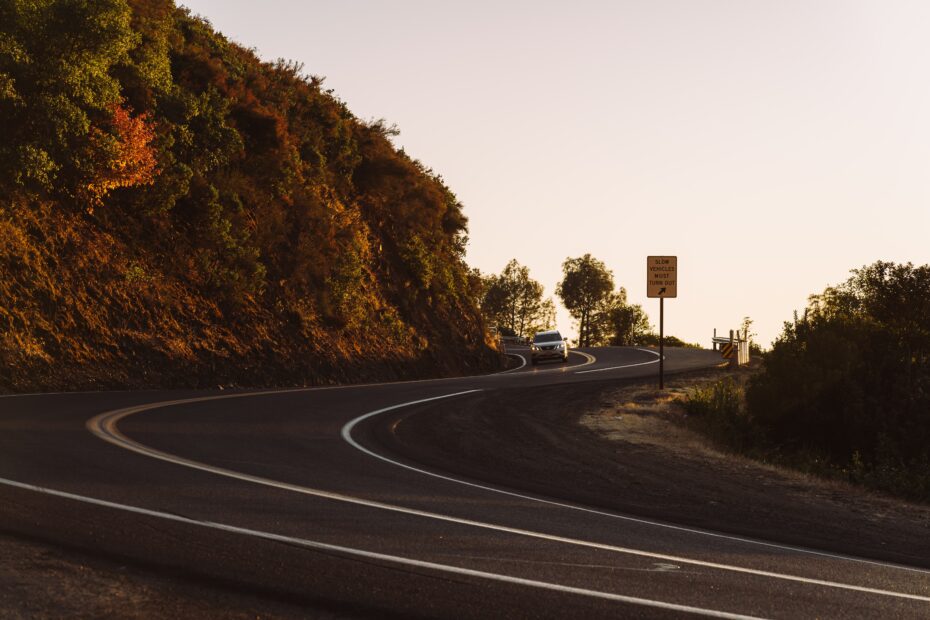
column 733, row 348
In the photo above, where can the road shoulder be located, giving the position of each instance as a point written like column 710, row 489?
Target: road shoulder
column 589, row 443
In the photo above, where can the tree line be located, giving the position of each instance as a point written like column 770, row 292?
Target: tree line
column 849, row 379
column 513, row 301
column 845, row 388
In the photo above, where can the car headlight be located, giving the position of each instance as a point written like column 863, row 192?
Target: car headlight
column 560, row 346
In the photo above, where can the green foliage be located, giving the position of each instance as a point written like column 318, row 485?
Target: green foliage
column 604, row 316
column 241, row 180
column 55, row 59
column 652, row 339
column 851, row 378
column 617, row 322
column 720, row 412
column 585, row 289
column 419, row 261
column 513, row 300
column 628, row 324
column 755, row 350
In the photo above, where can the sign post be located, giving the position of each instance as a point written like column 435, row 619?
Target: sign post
column 661, row 282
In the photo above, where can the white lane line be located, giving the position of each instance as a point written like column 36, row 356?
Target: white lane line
column 395, row 559
column 655, row 361
column 522, row 364
column 658, row 567
column 104, row 426
column 347, row 436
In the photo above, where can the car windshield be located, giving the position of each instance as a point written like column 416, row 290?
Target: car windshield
column 554, row 337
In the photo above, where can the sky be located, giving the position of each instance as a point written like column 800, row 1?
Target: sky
column 772, row 146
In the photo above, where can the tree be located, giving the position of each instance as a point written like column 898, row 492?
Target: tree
column 851, row 377
column 546, row 319
column 57, row 56
column 515, row 300
column 600, row 327
column 628, row 322
column 585, row 289
column 478, row 285
column 123, row 157
column 745, row 326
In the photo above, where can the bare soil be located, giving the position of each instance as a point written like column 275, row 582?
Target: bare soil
column 622, row 446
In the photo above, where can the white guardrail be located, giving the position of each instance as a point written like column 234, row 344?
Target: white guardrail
column 733, row 348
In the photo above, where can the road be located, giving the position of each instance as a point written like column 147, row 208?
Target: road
column 285, row 494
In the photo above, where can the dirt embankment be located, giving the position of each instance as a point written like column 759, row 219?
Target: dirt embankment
column 622, row 447
column 80, row 309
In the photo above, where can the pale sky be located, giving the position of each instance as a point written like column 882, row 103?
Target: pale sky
column 771, row 145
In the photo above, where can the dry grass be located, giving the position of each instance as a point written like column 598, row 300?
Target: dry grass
column 645, row 416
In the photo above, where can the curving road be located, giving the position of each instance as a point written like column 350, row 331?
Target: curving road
column 285, row 493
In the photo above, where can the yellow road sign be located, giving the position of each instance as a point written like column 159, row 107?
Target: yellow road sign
column 662, row 276
column 726, row 350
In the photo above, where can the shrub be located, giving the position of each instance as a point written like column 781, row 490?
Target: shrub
column 719, row 411
column 851, row 378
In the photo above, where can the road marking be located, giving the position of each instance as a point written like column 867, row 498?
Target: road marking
column 347, row 436
column 522, row 364
column 104, row 426
column 395, row 559
column 589, row 359
column 655, row 361
column 660, row 567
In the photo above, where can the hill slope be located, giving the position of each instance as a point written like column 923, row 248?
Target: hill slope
column 177, row 213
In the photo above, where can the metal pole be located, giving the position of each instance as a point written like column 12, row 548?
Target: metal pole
column 661, row 343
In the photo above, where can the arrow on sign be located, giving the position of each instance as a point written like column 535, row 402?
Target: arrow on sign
column 662, row 291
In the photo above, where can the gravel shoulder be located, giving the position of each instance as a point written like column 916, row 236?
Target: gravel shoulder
column 622, row 446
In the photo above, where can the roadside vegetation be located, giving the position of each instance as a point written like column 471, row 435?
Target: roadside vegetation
column 514, row 302
column 845, row 390
column 173, row 211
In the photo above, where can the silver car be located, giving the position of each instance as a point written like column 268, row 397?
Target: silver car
column 548, row 345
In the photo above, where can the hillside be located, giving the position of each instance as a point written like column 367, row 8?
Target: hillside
column 175, row 212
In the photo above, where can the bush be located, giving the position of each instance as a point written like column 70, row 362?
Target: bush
column 720, row 413
column 851, row 378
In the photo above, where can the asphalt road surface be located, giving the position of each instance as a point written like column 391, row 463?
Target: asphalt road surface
column 284, row 494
